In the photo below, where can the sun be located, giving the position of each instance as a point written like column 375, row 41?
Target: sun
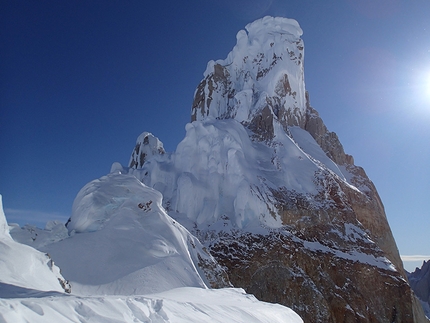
column 421, row 88
column 427, row 85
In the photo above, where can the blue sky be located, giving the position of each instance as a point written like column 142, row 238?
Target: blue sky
column 80, row 80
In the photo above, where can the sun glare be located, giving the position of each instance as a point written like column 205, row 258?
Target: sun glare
column 422, row 89
column 427, row 85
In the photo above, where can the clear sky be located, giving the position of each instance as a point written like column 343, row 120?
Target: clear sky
column 80, row 80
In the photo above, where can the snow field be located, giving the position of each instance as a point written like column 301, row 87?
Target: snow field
column 181, row 305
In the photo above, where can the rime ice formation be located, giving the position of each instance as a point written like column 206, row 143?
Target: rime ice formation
column 120, row 243
column 271, row 193
column 261, row 77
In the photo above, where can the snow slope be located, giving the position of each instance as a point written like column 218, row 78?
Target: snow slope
column 183, row 305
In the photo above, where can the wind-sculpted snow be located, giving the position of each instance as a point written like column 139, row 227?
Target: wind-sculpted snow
column 129, row 235
column 218, row 170
column 99, row 201
column 146, row 147
column 183, row 305
column 122, row 242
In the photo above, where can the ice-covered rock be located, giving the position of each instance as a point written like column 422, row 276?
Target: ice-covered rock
column 260, row 80
column 146, row 147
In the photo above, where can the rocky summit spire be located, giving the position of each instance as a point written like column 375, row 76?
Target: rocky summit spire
column 260, row 80
column 270, row 192
column 146, row 146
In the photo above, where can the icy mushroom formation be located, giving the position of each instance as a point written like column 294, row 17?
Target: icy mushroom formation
column 123, row 242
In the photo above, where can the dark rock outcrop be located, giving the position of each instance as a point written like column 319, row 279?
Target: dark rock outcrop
column 420, row 283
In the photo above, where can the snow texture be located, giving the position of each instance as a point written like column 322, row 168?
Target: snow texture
column 183, row 305
column 120, row 239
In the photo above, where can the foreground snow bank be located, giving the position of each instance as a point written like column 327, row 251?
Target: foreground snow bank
column 178, row 305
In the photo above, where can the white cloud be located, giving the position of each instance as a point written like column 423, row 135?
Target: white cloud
column 411, row 262
column 37, row 218
column 414, row 257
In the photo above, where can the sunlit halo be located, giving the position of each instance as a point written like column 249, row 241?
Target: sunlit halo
column 421, row 88
column 427, row 85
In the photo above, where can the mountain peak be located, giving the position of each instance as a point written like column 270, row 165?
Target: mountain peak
column 261, row 78
column 146, row 146
column 274, row 25
column 258, row 165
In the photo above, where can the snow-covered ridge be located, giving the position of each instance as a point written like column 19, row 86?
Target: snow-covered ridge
column 217, row 171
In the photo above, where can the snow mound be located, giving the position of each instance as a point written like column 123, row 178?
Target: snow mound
column 123, row 242
column 25, row 267
column 99, row 201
